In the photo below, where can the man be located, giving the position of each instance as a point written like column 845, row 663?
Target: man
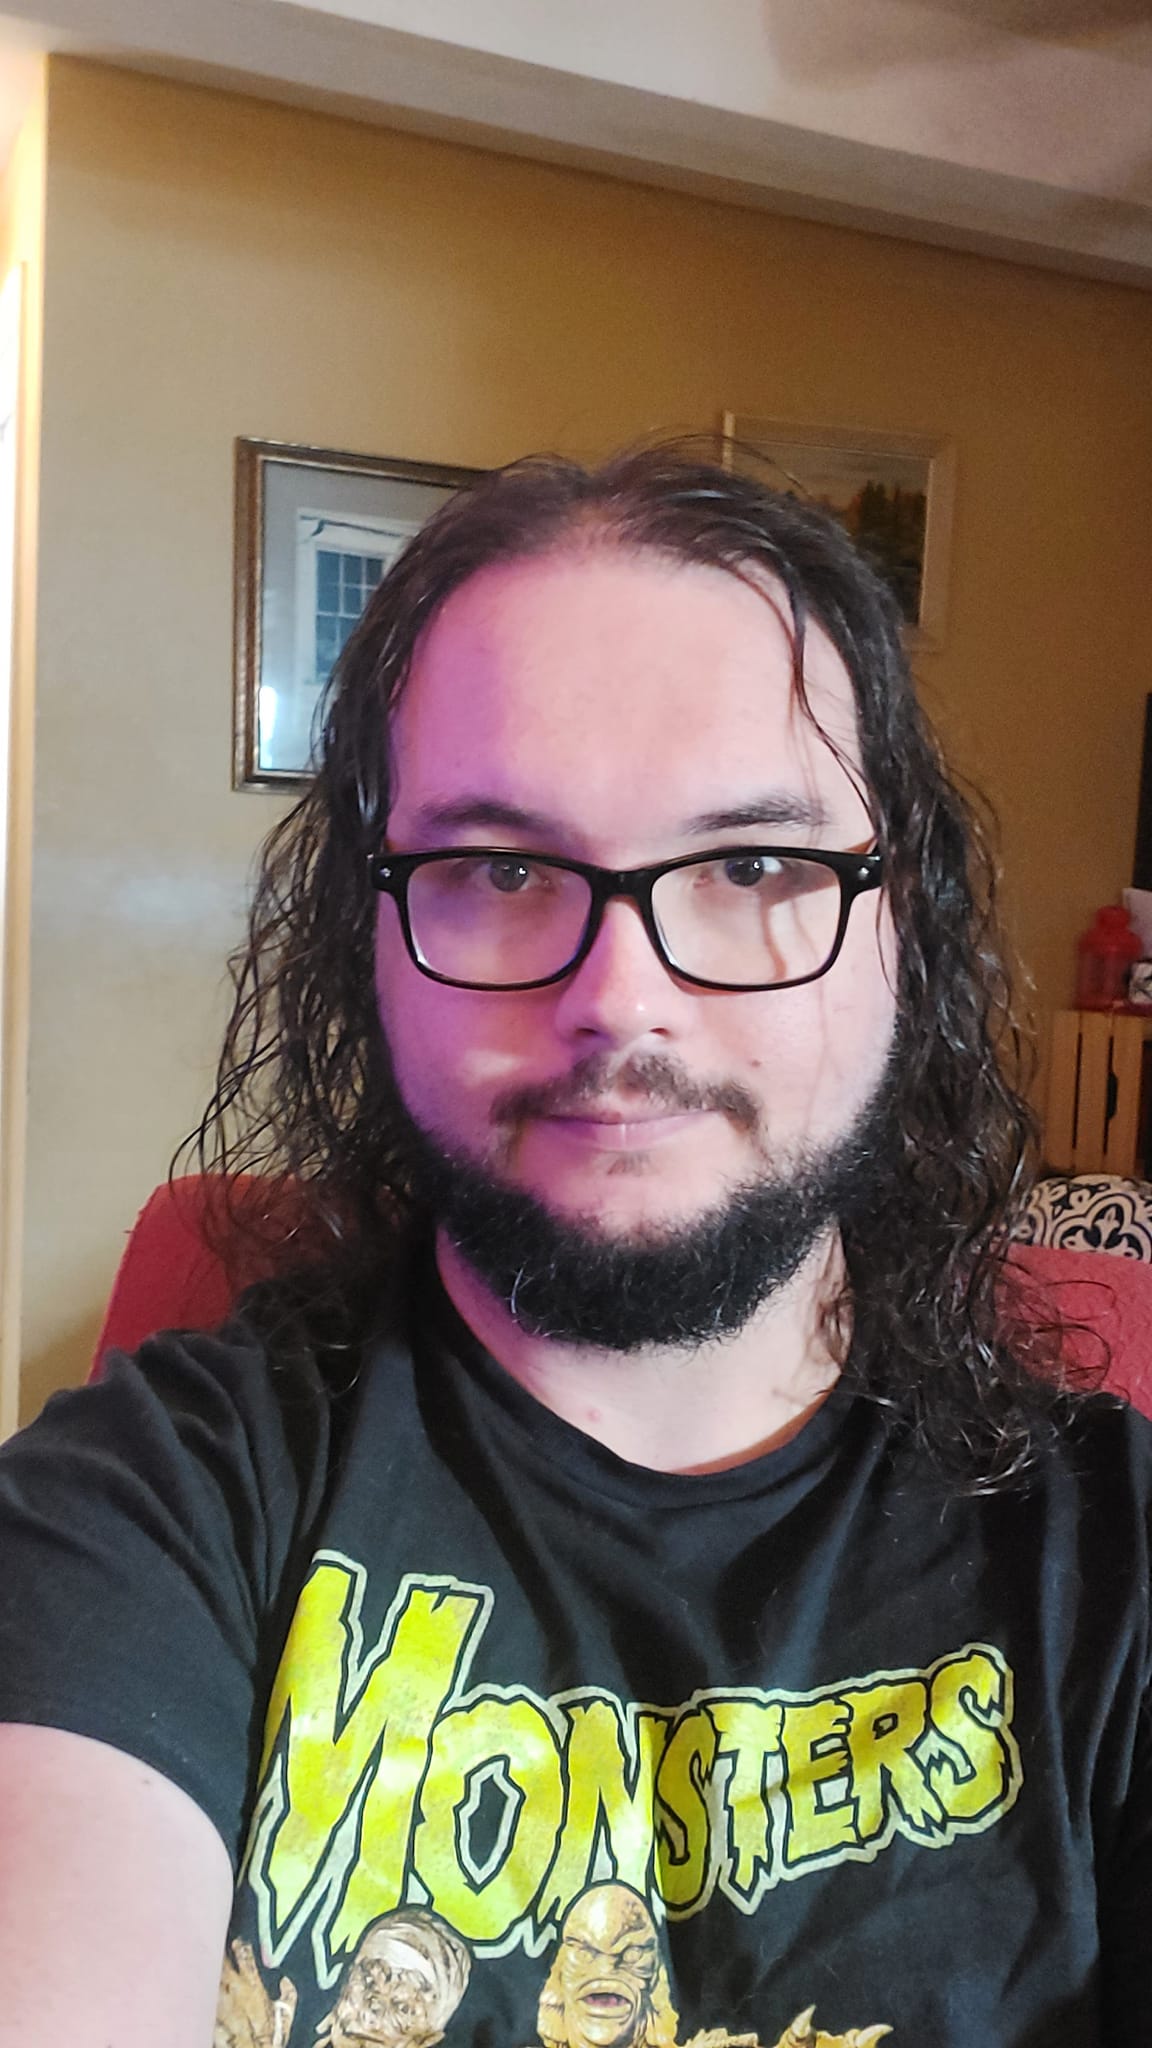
column 635, row 1484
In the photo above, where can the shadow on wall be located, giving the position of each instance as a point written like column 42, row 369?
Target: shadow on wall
column 1052, row 19
column 815, row 41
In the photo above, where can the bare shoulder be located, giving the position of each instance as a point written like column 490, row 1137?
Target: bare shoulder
column 115, row 1892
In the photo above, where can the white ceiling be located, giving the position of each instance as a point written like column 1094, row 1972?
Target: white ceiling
column 1023, row 127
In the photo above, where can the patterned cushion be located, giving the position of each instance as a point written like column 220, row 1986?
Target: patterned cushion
column 1090, row 1212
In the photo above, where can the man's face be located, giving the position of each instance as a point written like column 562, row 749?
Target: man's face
column 621, row 708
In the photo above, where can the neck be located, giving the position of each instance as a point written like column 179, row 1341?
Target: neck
column 699, row 1409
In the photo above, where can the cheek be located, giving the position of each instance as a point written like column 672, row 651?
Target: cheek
column 814, row 1054
column 854, row 1008
column 415, row 1013
column 451, row 1049
column 873, row 967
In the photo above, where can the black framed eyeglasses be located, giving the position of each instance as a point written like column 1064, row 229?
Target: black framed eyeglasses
column 739, row 918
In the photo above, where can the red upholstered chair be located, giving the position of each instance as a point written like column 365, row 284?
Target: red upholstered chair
column 169, row 1279
column 1099, row 1295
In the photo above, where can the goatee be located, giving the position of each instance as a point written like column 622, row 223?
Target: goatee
column 565, row 1279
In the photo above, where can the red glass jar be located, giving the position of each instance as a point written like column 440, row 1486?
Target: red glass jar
column 1104, row 955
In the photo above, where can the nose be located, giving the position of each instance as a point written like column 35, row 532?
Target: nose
column 621, row 992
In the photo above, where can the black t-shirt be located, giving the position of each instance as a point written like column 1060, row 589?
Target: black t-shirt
column 513, row 1741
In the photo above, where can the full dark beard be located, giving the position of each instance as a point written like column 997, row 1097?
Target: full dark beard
column 561, row 1278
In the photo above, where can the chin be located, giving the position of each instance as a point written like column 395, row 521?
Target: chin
column 610, row 1206
column 638, row 1185
column 616, row 1215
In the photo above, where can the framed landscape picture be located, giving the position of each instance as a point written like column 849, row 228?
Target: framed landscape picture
column 315, row 531
column 892, row 492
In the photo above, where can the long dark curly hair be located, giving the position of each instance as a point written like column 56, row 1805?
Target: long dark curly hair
column 305, row 1100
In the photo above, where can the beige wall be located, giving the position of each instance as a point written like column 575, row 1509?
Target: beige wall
column 217, row 266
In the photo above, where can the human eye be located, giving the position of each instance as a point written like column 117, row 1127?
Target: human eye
column 774, row 877
column 511, row 876
column 751, row 870
column 500, row 874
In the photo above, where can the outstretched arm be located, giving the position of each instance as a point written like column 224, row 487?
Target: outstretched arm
column 115, row 1893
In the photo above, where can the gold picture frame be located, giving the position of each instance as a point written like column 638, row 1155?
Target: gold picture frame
column 315, row 530
column 894, row 492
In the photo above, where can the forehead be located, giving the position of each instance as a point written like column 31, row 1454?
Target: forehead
column 600, row 685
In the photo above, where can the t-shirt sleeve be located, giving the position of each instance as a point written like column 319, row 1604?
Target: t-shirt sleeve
column 147, row 1530
column 1126, row 1905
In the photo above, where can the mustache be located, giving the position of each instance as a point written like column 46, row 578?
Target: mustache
column 653, row 1078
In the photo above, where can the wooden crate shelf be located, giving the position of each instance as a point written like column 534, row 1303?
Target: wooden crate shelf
column 1094, row 1120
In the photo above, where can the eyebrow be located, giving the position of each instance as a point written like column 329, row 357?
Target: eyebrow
column 480, row 810
column 777, row 807
column 774, row 808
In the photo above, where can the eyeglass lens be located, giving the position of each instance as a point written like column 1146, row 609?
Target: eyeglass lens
column 747, row 920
